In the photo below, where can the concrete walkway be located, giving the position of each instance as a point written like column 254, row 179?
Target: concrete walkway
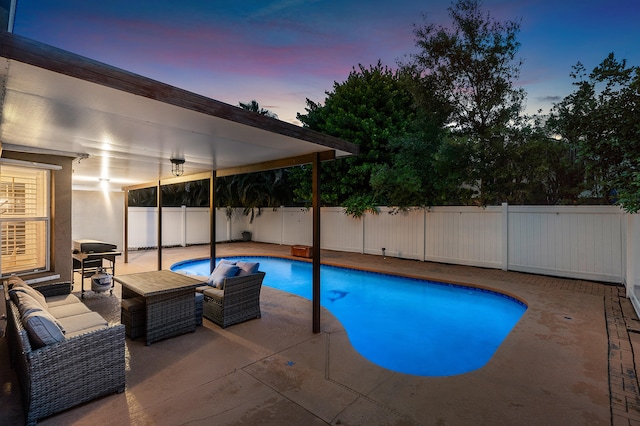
column 569, row 361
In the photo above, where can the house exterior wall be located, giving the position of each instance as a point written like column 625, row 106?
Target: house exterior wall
column 98, row 215
column 61, row 214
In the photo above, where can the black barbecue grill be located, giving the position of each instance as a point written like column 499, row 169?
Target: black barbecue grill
column 92, row 258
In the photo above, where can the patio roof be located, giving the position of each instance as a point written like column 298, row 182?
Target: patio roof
column 125, row 127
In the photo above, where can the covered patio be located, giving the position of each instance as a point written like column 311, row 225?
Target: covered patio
column 108, row 129
column 570, row 360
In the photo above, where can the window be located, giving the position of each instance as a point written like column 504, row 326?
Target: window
column 24, row 219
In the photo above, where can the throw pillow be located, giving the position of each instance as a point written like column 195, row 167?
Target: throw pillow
column 42, row 329
column 222, row 271
column 26, row 304
column 13, row 280
column 26, row 288
column 247, row 268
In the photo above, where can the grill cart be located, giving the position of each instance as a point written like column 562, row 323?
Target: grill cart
column 95, row 260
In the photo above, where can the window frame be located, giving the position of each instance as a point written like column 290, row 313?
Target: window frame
column 34, row 214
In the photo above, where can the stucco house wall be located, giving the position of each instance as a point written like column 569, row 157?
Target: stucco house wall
column 61, row 243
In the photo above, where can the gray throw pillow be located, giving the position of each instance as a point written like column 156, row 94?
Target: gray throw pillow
column 42, row 329
column 247, row 268
column 26, row 304
column 222, row 271
column 26, row 288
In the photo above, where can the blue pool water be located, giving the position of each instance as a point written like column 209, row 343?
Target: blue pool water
column 408, row 325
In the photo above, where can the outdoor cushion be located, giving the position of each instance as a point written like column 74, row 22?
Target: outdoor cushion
column 215, row 294
column 82, row 322
column 84, row 330
column 65, row 299
column 13, row 280
column 26, row 304
column 26, row 288
column 133, row 304
column 42, row 329
column 247, row 268
column 222, row 271
column 68, row 310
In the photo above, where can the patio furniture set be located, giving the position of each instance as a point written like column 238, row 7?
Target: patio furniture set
column 162, row 304
column 65, row 354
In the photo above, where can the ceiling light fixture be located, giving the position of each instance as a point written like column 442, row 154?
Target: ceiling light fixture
column 177, row 166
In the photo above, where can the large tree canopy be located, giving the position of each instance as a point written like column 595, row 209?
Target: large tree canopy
column 600, row 121
column 370, row 108
column 470, row 67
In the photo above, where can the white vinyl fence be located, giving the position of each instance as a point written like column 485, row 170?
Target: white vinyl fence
column 577, row 242
column 600, row 243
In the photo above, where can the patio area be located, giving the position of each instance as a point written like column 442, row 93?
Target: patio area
column 570, row 361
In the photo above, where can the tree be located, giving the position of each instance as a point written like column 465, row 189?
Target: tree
column 254, row 191
column 369, row 109
column 600, row 121
column 470, row 67
column 409, row 178
column 253, row 106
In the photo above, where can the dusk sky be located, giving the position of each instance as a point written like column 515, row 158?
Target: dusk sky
column 282, row 52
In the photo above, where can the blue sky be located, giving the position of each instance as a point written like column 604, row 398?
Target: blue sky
column 284, row 51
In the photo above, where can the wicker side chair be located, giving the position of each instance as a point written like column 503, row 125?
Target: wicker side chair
column 238, row 301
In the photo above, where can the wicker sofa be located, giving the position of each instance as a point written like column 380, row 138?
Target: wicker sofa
column 56, row 373
column 238, row 300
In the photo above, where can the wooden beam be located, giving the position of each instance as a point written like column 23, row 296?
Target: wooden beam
column 251, row 168
column 277, row 164
column 169, row 181
column 188, row 178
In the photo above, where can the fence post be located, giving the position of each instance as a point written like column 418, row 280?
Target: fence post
column 424, row 236
column 630, row 255
column 364, row 215
column 505, row 236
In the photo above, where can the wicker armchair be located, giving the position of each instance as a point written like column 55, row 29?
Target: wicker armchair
column 238, row 301
column 62, row 375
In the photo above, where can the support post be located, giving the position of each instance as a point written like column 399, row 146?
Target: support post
column 212, row 221
column 316, row 242
column 126, row 226
column 159, row 201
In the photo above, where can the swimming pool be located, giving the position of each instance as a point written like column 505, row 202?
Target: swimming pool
column 408, row 325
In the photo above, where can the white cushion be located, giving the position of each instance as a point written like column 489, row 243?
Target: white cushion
column 68, row 310
column 82, row 322
column 222, row 271
column 64, row 299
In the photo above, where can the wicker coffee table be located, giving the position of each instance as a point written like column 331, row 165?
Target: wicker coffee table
column 169, row 299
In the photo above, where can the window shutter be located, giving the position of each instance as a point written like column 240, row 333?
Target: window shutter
column 24, row 219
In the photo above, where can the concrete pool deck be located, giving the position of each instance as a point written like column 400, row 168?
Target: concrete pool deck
column 569, row 360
